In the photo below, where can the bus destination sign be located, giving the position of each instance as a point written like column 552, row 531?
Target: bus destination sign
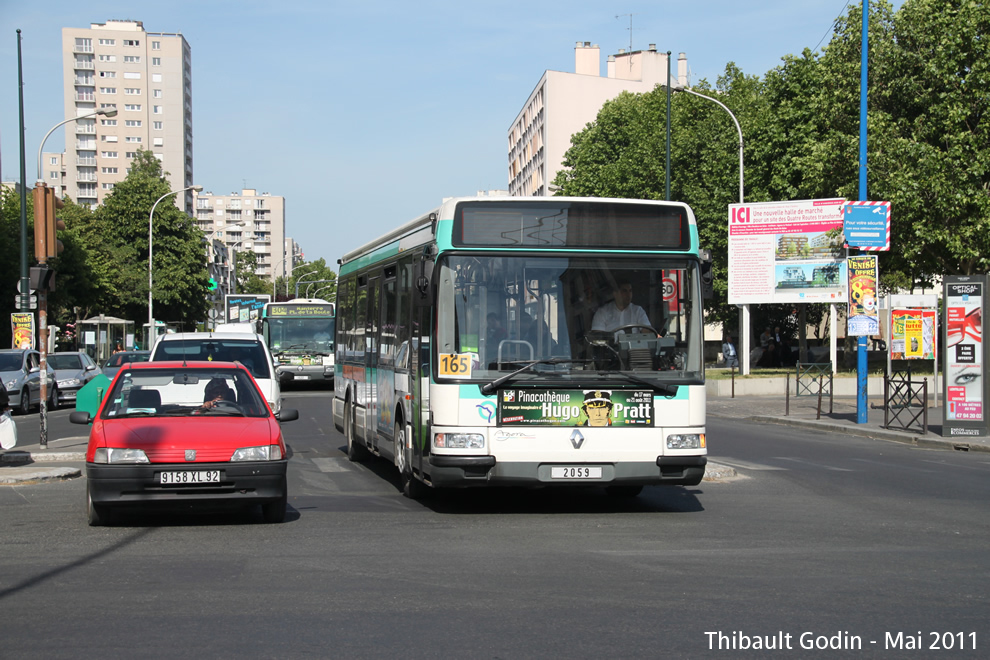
column 297, row 310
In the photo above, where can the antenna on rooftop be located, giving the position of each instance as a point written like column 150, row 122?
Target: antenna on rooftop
column 630, row 28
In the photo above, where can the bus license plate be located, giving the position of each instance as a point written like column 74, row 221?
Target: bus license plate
column 576, row 472
column 191, row 477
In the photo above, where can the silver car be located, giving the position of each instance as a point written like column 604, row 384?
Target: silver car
column 72, row 371
column 20, row 372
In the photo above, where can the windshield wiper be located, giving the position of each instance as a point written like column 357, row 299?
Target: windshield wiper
column 660, row 388
column 488, row 388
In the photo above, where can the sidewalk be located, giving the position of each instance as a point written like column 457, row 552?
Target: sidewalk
column 29, row 463
column 803, row 412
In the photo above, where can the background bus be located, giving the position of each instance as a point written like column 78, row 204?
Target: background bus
column 467, row 353
column 300, row 335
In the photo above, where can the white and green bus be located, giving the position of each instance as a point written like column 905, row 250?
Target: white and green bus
column 527, row 341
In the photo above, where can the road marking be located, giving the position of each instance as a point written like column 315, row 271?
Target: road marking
column 332, row 464
column 812, row 464
column 743, row 465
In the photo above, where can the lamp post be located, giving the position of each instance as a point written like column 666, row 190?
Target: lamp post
column 744, row 323
column 42, row 293
column 151, row 219
column 300, row 280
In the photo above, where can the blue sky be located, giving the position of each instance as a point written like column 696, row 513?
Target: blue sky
column 364, row 115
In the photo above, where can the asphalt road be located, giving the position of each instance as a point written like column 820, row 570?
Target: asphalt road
column 853, row 541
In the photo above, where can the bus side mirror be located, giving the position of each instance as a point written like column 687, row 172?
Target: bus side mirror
column 707, row 285
column 424, row 281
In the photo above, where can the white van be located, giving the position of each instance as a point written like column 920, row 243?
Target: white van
column 247, row 348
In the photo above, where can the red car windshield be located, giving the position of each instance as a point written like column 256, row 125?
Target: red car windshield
column 184, row 391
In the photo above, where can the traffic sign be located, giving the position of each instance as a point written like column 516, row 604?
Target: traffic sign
column 866, row 225
column 25, row 302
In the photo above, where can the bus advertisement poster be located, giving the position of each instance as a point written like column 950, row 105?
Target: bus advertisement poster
column 786, row 252
column 964, row 355
column 554, row 407
column 912, row 334
column 863, row 319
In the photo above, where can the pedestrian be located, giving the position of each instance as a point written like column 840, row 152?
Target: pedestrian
column 8, row 429
column 729, row 352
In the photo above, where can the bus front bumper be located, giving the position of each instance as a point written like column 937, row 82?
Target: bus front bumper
column 466, row 471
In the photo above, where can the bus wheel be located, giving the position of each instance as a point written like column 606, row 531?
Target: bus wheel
column 623, row 491
column 355, row 452
column 412, row 487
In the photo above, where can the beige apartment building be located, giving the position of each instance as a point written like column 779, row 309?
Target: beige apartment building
column 147, row 78
column 247, row 220
column 562, row 104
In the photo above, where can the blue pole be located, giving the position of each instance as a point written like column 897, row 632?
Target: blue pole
column 861, row 362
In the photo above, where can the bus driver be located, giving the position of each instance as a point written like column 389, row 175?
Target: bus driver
column 621, row 311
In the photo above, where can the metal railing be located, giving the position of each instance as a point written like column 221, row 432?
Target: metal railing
column 905, row 404
column 809, row 378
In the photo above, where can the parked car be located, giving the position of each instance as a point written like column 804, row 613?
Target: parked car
column 20, row 372
column 247, row 348
column 184, row 434
column 115, row 361
column 72, row 370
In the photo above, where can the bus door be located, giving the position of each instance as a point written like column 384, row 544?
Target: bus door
column 386, row 357
column 419, row 374
column 371, row 362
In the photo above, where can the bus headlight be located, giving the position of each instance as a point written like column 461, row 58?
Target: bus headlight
column 459, row 441
column 686, row 441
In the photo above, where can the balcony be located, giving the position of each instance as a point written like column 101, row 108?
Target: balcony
column 85, row 96
column 85, row 129
column 85, row 176
column 84, row 64
column 82, row 49
column 84, row 81
column 86, row 162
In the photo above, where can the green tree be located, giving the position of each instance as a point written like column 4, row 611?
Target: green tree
column 118, row 242
column 308, row 275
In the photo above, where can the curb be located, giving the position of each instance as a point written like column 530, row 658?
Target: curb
column 880, row 434
column 42, row 457
column 22, row 476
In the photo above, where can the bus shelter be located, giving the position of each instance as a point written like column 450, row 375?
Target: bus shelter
column 100, row 335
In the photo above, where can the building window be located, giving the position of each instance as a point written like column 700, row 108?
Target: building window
column 108, row 138
column 53, row 160
column 54, row 175
column 136, row 107
column 108, row 90
column 156, row 109
column 108, row 74
column 156, row 45
column 158, row 125
column 159, row 142
column 84, row 45
column 157, row 93
column 131, row 42
column 132, row 75
column 132, row 123
column 156, row 61
column 108, row 154
column 133, row 139
column 132, row 59
column 130, row 154
column 109, row 170
column 108, row 106
column 108, row 42
column 156, row 77
column 108, row 58
column 108, row 186
column 132, row 91
column 108, row 122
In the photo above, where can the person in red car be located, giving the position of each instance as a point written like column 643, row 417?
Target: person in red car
column 216, row 390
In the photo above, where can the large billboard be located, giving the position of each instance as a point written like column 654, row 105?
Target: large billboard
column 244, row 308
column 787, row 252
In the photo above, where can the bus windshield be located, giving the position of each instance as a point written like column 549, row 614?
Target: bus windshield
column 300, row 335
column 628, row 319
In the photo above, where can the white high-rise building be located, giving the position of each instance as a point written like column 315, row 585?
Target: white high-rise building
column 564, row 103
column 147, row 78
column 246, row 221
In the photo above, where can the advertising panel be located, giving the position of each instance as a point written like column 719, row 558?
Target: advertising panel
column 22, row 330
column 554, row 407
column 244, row 308
column 964, row 356
column 912, row 334
column 863, row 320
column 786, row 252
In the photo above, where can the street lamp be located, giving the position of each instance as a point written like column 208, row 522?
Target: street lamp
column 102, row 111
column 151, row 218
column 744, row 339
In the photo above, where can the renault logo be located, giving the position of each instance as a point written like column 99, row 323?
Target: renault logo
column 190, row 454
column 577, row 439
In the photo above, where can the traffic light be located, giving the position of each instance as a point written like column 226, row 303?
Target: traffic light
column 46, row 223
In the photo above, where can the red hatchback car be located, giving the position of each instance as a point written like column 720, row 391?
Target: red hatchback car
column 185, row 434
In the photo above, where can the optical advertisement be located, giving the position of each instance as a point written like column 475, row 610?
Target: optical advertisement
column 964, row 354
column 552, row 407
